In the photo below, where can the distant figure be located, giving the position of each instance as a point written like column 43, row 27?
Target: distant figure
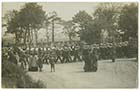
column 76, row 53
column 58, row 54
column 12, row 57
column 52, row 60
column 40, row 62
column 93, row 60
column 17, row 57
column 33, row 66
column 113, row 54
column 65, row 54
column 23, row 61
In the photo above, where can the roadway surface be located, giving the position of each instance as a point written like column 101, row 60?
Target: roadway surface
column 121, row 74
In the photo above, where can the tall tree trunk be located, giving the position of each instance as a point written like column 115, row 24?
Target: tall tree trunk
column 28, row 38
column 114, row 47
column 36, row 37
column 52, row 30
column 47, row 34
column 31, row 37
column 70, row 38
column 25, row 37
column 17, row 38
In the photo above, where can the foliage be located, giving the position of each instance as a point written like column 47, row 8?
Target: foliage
column 87, row 32
column 13, row 24
column 13, row 20
column 14, row 77
column 52, row 18
column 91, row 35
column 82, row 18
column 26, row 21
column 69, row 29
column 106, row 16
column 128, row 20
column 32, row 14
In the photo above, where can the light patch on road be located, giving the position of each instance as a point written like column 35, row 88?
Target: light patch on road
column 121, row 74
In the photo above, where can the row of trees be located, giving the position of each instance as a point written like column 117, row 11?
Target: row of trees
column 118, row 19
column 26, row 23
column 114, row 18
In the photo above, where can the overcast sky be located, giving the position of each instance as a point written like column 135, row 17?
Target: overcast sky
column 66, row 10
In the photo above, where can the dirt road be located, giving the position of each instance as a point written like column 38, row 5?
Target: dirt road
column 121, row 74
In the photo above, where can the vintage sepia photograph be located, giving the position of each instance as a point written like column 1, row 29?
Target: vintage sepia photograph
column 69, row 45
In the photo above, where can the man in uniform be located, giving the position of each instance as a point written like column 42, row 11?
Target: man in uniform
column 62, row 54
column 46, row 55
column 66, row 55
column 58, row 54
column 23, row 60
column 12, row 57
column 76, row 54
column 40, row 61
column 52, row 60
column 113, row 54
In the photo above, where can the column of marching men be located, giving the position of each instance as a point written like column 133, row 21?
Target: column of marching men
column 35, row 57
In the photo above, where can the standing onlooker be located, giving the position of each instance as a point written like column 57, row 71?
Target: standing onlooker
column 40, row 62
column 12, row 57
column 33, row 66
column 52, row 60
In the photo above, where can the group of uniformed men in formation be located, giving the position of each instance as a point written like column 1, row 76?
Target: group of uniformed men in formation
column 34, row 58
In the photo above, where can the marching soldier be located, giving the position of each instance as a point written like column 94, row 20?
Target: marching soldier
column 65, row 54
column 40, row 62
column 47, row 57
column 72, row 52
column 113, row 54
column 76, row 54
column 52, row 60
column 69, row 53
column 12, row 57
column 58, row 54
column 23, row 60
